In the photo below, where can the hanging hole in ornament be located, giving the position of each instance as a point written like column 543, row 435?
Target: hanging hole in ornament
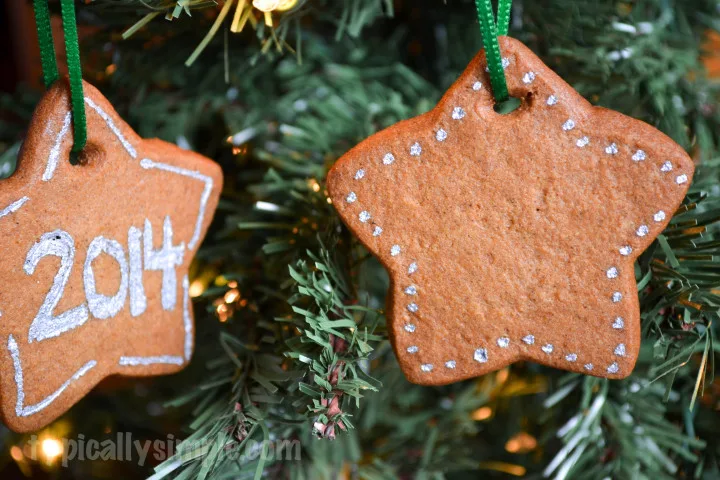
column 510, row 105
column 89, row 155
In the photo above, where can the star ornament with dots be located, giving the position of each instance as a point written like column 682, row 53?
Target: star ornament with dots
column 512, row 237
column 95, row 258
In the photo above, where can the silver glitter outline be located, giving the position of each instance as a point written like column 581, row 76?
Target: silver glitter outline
column 14, row 207
column 144, row 361
column 25, row 411
column 147, row 164
column 54, row 155
column 111, row 125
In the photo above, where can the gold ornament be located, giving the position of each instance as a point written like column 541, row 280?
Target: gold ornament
column 266, row 5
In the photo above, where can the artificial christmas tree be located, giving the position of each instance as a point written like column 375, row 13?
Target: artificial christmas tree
column 293, row 375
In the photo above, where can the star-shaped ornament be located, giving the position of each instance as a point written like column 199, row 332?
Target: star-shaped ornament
column 95, row 258
column 512, row 237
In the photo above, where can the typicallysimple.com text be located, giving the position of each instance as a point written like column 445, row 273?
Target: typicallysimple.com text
column 124, row 448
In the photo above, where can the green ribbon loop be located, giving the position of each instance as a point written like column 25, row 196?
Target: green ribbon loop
column 47, row 49
column 490, row 32
column 50, row 69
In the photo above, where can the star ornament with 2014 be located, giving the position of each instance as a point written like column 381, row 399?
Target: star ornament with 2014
column 95, row 258
column 512, row 237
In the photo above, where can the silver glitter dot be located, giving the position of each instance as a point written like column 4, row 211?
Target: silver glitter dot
column 626, row 250
column 410, row 328
column 412, row 349
column 503, row 342
column 477, row 86
column 589, row 366
column 412, row 268
column 659, row 216
column 351, row 197
column 426, row 367
column 582, row 142
column 481, row 355
column 440, row 135
column 614, row 368
column 388, row 159
column 528, row 78
column 412, row 308
column 612, row 272
column 395, row 250
column 569, row 125
column 616, row 297
column 681, row 179
column 639, row 156
column 415, row 149
column 611, row 149
column 411, row 290
column 642, row 231
column 359, row 174
column 548, row 348
column 458, row 113
column 618, row 323
column 666, row 167
column 529, row 339
column 364, row 216
column 450, row 364
column 505, row 63
column 377, row 231
column 552, row 100
column 620, row 350
column 571, row 357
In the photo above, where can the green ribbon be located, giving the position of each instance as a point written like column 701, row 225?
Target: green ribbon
column 50, row 69
column 490, row 32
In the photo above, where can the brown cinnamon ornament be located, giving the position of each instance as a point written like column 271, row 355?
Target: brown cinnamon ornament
column 95, row 257
column 512, row 237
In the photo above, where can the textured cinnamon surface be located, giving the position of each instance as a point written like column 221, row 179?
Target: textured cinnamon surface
column 511, row 237
column 49, row 208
